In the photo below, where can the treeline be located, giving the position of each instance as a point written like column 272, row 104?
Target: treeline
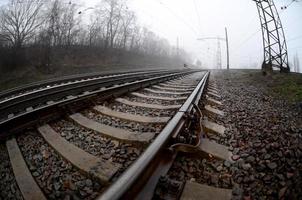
column 52, row 33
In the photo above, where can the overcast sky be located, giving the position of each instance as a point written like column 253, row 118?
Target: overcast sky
column 192, row 19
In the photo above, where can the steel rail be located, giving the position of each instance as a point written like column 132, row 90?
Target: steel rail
column 23, row 120
column 68, row 82
column 131, row 176
column 53, row 93
column 57, row 81
column 50, row 82
column 20, row 91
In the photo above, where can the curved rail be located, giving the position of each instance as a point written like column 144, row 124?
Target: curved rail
column 61, row 80
column 131, row 176
column 26, row 100
column 33, row 115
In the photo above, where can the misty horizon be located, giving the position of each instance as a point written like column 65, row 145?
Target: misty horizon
column 185, row 22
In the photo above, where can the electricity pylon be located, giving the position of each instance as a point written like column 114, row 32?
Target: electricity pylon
column 226, row 39
column 274, row 43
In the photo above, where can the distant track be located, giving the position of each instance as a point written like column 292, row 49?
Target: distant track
column 19, row 108
column 21, row 98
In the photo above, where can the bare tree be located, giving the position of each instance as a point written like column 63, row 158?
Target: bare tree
column 113, row 16
column 50, row 33
column 70, row 24
column 136, row 39
column 93, row 31
column 53, row 27
column 63, row 23
column 20, row 21
column 128, row 25
column 97, row 29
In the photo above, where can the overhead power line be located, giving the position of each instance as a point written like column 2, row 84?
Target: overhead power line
column 287, row 6
column 247, row 39
column 197, row 13
column 295, row 38
column 283, row 8
column 294, row 48
column 177, row 16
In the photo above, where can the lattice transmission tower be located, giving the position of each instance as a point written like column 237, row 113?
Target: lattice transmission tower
column 274, row 43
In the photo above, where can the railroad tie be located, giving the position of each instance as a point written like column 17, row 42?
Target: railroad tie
column 214, row 110
column 172, row 89
column 176, row 86
column 26, row 183
column 166, row 92
column 212, row 84
column 179, row 84
column 130, row 117
column 213, row 88
column 213, row 101
column 112, row 132
column 217, row 150
column 158, row 97
column 87, row 163
column 214, row 91
column 213, row 127
column 146, row 105
column 214, row 95
column 196, row 191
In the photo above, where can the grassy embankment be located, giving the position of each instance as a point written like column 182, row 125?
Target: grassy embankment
column 280, row 85
column 288, row 86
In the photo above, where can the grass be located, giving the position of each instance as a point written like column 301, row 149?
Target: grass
column 289, row 86
column 281, row 85
column 286, row 86
column 16, row 78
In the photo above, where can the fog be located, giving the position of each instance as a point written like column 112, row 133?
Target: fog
column 192, row 19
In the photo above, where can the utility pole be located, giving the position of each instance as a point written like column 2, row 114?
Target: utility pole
column 218, row 55
column 227, row 46
column 177, row 47
column 296, row 63
column 226, row 39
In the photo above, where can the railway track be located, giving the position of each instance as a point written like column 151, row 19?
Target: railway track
column 27, row 88
column 114, row 137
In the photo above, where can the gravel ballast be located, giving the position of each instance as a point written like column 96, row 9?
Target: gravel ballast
column 211, row 172
column 8, row 185
column 123, row 124
column 93, row 143
column 140, row 110
column 264, row 133
column 57, row 178
column 152, row 101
